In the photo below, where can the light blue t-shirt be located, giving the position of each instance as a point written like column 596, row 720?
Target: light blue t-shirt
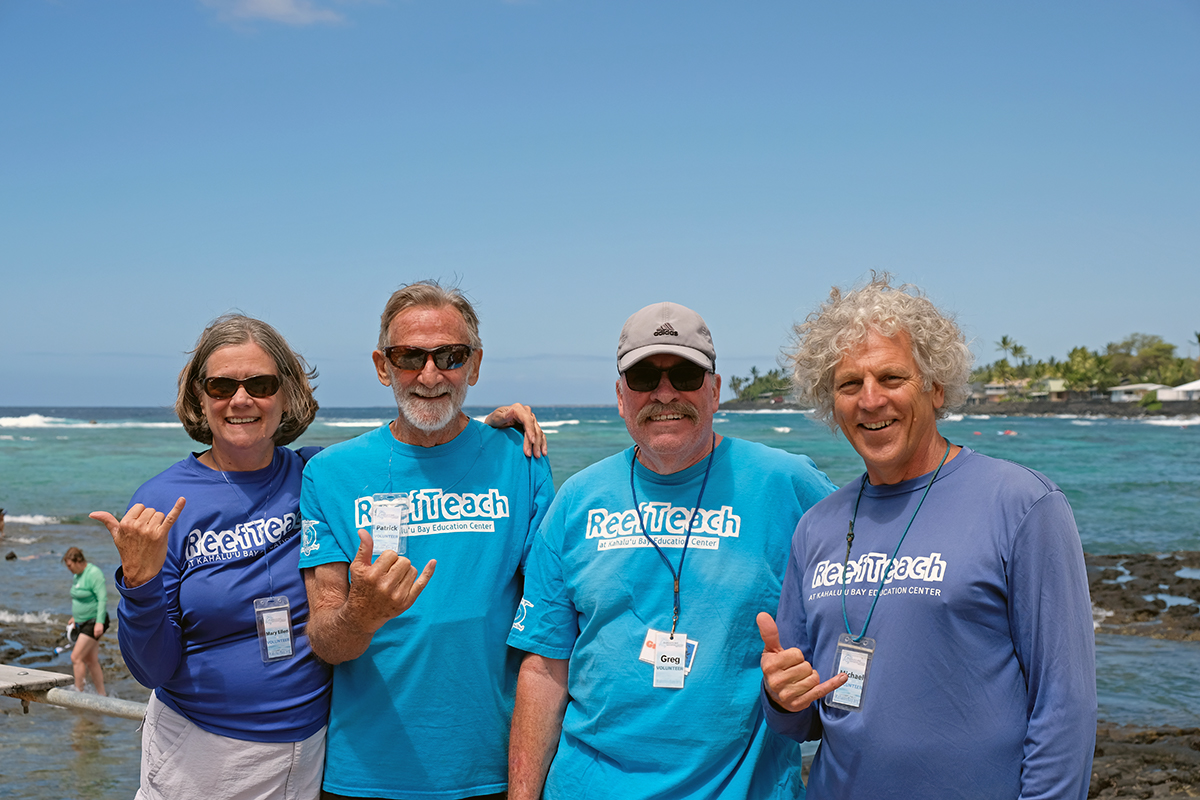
column 425, row 711
column 594, row 586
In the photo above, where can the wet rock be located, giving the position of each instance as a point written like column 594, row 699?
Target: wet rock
column 1120, row 584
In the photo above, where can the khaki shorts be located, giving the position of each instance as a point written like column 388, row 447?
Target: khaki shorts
column 182, row 761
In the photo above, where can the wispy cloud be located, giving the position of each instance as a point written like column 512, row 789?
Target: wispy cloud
column 288, row 12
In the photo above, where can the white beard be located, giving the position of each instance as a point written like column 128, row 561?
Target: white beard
column 428, row 416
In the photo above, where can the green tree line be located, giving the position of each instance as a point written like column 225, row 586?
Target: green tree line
column 1138, row 358
column 760, row 386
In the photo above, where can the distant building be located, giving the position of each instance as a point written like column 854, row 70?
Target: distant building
column 1133, row 392
column 1188, row 391
column 995, row 392
column 1052, row 389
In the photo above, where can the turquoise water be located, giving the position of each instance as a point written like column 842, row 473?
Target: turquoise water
column 1134, row 486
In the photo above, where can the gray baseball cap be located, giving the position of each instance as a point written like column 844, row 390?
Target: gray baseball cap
column 665, row 328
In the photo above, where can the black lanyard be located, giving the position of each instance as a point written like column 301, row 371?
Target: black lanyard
column 674, row 574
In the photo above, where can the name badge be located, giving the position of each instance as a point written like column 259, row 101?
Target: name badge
column 854, row 659
column 389, row 523
column 650, row 646
column 273, row 617
column 670, row 658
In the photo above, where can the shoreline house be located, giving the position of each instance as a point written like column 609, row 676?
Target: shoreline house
column 1133, row 392
column 1188, row 391
column 1051, row 389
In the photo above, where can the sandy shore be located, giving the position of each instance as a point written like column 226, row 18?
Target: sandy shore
column 1160, row 762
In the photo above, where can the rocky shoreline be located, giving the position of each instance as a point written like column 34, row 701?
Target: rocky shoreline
column 1130, row 761
column 1119, row 585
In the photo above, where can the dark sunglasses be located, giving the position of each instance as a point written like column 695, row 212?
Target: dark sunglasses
column 225, row 388
column 685, row 376
column 448, row 356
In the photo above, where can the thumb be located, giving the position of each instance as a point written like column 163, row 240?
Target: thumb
column 108, row 519
column 366, row 548
column 769, row 633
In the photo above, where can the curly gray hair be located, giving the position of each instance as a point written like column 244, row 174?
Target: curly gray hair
column 843, row 322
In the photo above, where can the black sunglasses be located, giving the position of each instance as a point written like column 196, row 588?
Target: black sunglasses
column 225, row 388
column 645, row 377
column 446, row 357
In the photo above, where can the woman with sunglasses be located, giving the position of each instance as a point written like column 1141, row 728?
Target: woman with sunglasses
column 235, row 711
column 213, row 611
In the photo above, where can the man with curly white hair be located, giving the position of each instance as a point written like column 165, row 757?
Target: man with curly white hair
column 944, row 591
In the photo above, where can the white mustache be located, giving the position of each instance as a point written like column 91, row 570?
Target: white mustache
column 678, row 407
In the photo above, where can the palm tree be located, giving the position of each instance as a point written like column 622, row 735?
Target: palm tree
column 1006, row 344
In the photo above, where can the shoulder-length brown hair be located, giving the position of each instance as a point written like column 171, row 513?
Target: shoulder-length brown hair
column 295, row 377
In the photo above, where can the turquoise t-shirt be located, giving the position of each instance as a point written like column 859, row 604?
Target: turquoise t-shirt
column 425, row 711
column 594, row 586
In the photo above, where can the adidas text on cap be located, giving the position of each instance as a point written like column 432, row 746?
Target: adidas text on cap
column 665, row 328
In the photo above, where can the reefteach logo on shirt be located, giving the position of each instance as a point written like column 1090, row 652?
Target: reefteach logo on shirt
column 667, row 524
column 245, row 539
column 874, row 568
column 434, row 511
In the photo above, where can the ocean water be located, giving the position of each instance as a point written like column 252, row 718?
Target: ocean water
column 1134, row 486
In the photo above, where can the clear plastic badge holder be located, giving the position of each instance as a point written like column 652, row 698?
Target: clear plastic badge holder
column 389, row 523
column 854, row 659
column 273, row 616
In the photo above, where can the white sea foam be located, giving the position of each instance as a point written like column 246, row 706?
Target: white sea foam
column 28, row 618
column 355, row 423
column 782, row 430
column 6, row 438
column 548, row 432
column 953, row 418
column 40, row 421
column 766, row 410
column 1172, row 422
column 31, row 519
column 559, row 423
column 20, row 540
column 979, row 416
column 1082, row 422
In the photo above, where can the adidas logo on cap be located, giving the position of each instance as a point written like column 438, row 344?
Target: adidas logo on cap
column 666, row 330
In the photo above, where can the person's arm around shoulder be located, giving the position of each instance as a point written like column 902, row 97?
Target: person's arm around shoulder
column 346, row 607
column 536, row 724
column 522, row 418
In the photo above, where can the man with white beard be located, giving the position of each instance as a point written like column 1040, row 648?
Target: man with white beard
column 422, row 691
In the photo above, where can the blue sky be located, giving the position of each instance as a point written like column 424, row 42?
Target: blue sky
column 1034, row 166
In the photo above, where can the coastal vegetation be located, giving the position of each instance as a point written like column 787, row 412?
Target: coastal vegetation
column 761, row 385
column 1138, row 358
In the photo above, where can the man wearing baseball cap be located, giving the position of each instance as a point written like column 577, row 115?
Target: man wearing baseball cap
column 641, row 677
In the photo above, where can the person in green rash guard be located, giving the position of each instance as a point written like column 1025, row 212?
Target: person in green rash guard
column 89, row 613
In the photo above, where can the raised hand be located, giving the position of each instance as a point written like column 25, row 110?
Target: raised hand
column 791, row 681
column 385, row 589
column 522, row 418
column 141, row 539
